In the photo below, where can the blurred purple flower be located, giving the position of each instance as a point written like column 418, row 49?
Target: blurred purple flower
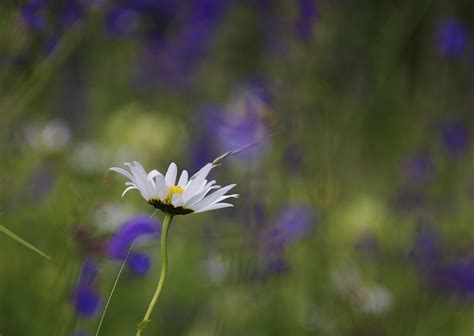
column 419, row 168
column 293, row 223
column 61, row 14
column 201, row 152
column 367, row 245
column 32, row 14
column 40, row 182
column 408, row 201
column 71, row 13
column 242, row 122
column 456, row 277
column 139, row 263
column 137, row 228
column 177, row 36
column 455, row 136
column 122, row 21
column 451, row 38
column 86, row 300
column 50, row 19
column 425, row 251
column 293, row 158
column 276, row 265
column 307, row 15
column 89, row 273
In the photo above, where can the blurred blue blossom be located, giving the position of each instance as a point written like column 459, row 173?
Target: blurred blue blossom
column 176, row 35
column 307, row 15
column 149, row 19
column 425, row 250
column 456, row 277
column 122, row 20
column 367, row 245
column 139, row 263
column 243, row 121
column 42, row 15
column 293, row 223
column 407, row 201
column 137, row 229
column 419, row 168
column 89, row 272
column 455, row 136
column 293, row 158
column 32, row 14
column 451, row 38
column 450, row 275
column 86, row 300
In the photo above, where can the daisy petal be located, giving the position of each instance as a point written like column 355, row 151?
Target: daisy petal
column 208, row 200
column 123, row 172
column 154, row 173
column 183, row 180
column 170, row 176
column 215, row 207
column 177, row 200
column 128, row 189
column 161, row 187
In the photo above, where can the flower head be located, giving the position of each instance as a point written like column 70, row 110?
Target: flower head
column 183, row 197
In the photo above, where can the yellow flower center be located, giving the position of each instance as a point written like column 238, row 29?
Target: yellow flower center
column 173, row 190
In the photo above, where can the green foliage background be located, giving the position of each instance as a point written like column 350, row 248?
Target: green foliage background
column 363, row 94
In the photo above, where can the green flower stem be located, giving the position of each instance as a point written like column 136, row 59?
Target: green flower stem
column 164, row 266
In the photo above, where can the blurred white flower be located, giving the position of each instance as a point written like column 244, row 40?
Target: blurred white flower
column 368, row 298
column 217, row 267
column 376, row 300
column 108, row 217
column 53, row 137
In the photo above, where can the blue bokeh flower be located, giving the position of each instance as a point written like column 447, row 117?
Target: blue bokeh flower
column 86, row 300
column 456, row 277
column 419, row 168
column 293, row 223
column 451, row 38
column 139, row 263
column 455, row 136
column 138, row 228
column 307, row 15
column 241, row 122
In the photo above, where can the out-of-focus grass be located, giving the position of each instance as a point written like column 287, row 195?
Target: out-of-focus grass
column 351, row 105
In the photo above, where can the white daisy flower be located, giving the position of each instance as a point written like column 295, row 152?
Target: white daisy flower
column 186, row 196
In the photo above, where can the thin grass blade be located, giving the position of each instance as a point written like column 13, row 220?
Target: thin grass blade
column 21, row 241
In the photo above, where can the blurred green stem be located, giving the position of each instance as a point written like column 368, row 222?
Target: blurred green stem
column 164, row 266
